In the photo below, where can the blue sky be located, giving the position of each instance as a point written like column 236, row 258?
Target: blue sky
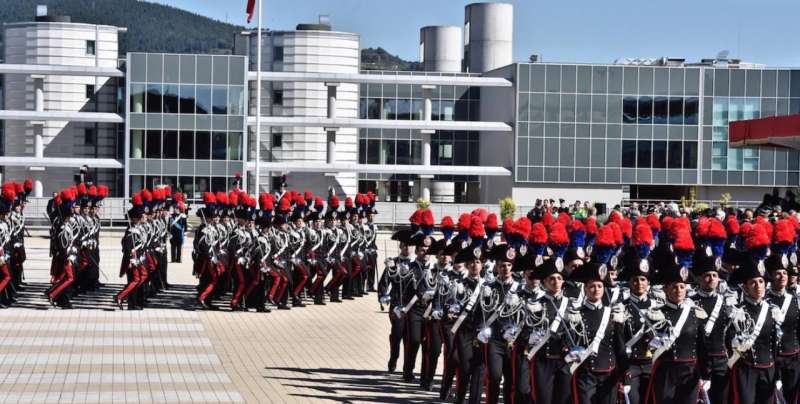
column 761, row 31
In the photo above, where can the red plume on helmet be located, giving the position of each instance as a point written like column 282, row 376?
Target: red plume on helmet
column 481, row 213
column 147, row 196
column 605, row 236
column 18, row 188
column 136, row 200
column 265, row 201
column 683, row 240
column 299, row 201
column 491, row 222
column 222, row 198
column 577, row 225
column 178, row 197
column 653, row 221
column 767, row 225
column 464, row 221
column 102, row 191
column 81, row 189
column 784, row 232
column 538, row 234
column 28, row 185
column 508, row 225
column 564, row 218
column 233, row 199
column 666, row 224
column 614, row 217
column 627, row 227
column 522, row 227
column 333, row 202
column 447, row 223
column 716, row 229
column 209, row 198
column 318, row 202
column 9, row 192
column 476, row 228
column 755, row 236
column 416, row 217
column 702, row 227
column 591, row 225
column 93, row 191
column 558, row 234
column 284, row 205
column 642, row 234
column 427, row 218
column 348, row 203
column 307, row 195
column 547, row 220
column 617, row 231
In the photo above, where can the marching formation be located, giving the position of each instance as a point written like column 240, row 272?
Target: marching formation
column 13, row 198
column 274, row 251
column 563, row 306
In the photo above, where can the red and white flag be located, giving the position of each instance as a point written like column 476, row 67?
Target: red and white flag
column 251, row 6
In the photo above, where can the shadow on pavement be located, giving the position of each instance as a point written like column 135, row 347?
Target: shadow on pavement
column 177, row 297
column 354, row 385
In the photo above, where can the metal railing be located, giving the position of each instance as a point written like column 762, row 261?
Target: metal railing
column 627, row 202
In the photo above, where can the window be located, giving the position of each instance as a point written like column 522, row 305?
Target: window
column 645, row 110
column 152, row 144
column 643, row 154
column 403, row 152
column 720, row 111
column 629, row 153
column 689, row 154
column 277, row 54
column 154, row 98
column 170, row 150
column 445, row 151
column 137, row 144
column 659, row 154
column 203, row 100
column 91, row 48
column 171, row 99
column 387, row 151
column 186, row 145
column 236, row 100
column 417, row 110
column 691, row 111
column 219, row 184
column 186, row 184
column 277, row 139
column 219, row 105
column 447, row 110
column 187, row 100
column 404, row 109
column 660, row 114
column 90, row 91
column 235, row 146
column 389, row 109
column 675, row 154
column 137, row 97
column 676, row 111
column 277, row 97
column 628, row 109
column 90, row 137
column 218, row 145
column 373, row 151
column 202, row 146
column 750, row 162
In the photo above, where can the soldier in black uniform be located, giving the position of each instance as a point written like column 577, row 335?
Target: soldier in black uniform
column 594, row 363
column 637, row 328
column 450, row 308
column 787, row 361
column 415, row 304
column 552, row 381
column 394, row 281
column 465, row 327
column 678, row 350
column 717, row 303
column 754, row 339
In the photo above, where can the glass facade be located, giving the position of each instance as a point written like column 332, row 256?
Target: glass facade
column 404, row 147
column 187, row 121
column 622, row 124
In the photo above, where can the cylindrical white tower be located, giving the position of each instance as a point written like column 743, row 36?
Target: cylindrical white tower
column 440, row 48
column 311, row 48
column 488, row 36
column 56, row 41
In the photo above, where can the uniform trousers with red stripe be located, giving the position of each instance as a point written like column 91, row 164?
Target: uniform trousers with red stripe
column 552, row 382
column 431, row 350
column 590, row 387
column 63, row 281
column 5, row 277
column 252, row 277
column 135, row 275
column 211, row 272
column 339, row 274
column 316, row 290
column 450, row 357
column 280, row 284
column 501, row 361
column 241, row 285
column 751, row 385
column 301, row 276
column 673, row 382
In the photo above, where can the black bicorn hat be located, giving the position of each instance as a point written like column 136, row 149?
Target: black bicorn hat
column 467, row 254
column 502, row 253
column 590, row 271
column 747, row 270
column 549, row 267
column 633, row 265
column 703, row 262
column 666, row 270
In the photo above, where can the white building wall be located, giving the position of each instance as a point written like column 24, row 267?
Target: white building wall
column 316, row 52
column 55, row 43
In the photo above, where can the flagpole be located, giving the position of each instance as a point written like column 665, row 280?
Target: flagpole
column 258, row 104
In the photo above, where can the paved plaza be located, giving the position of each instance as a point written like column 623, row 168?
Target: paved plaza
column 173, row 353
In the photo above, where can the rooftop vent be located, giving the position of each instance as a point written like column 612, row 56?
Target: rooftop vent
column 41, row 15
column 324, row 24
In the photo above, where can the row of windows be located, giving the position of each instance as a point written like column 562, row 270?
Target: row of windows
column 192, row 187
column 187, row 99
column 659, row 154
column 186, row 69
column 189, row 145
column 664, row 81
column 390, row 151
column 412, row 109
column 735, row 109
column 660, row 110
column 735, row 159
column 416, row 91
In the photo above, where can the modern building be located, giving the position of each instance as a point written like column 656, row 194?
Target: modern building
column 472, row 127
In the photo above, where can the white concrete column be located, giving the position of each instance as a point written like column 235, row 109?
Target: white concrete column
column 332, row 99
column 427, row 112
column 331, row 134
column 38, row 188
column 38, row 141
column 38, row 93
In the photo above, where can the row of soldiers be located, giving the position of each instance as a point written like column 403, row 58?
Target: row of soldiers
column 275, row 251
column 13, row 199
column 551, row 308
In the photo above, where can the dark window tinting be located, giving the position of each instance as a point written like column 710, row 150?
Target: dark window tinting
column 277, row 97
column 171, row 99
column 277, row 54
column 659, row 154
column 660, row 114
column 90, row 137
column 676, row 111
column 170, row 144
column 277, row 139
column 674, row 155
column 153, row 144
column 643, row 152
column 629, row 153
column 690, row 155
column 203, row 99
column 645, row 110
column 218, row 146
column 91, row 48
column 203, row 145
column 691, row 111
column 187, row 100
column 186, row 145
column 220, row 100
column 154, row 98
column 90, row 91
column 628, row 109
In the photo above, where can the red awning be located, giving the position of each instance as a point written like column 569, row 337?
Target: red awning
column 777, row 131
